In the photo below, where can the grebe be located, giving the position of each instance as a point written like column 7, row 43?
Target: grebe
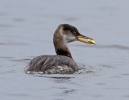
column 62, row 63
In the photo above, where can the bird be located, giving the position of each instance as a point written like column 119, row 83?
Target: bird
column 62, row 62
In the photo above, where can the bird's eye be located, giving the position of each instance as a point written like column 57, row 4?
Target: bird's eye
column 74, row 33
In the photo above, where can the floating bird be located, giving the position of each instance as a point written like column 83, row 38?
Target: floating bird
column 63, row 62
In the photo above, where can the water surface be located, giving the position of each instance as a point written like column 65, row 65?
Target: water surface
column 26, row 31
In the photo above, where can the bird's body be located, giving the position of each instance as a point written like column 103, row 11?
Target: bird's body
column 51, row 64
column 62, row 63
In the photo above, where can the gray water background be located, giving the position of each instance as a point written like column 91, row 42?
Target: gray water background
column 26, row 31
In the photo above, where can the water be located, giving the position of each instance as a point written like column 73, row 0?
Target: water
column 26, row 31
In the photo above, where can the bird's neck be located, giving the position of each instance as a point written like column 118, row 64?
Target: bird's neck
column 61, row 45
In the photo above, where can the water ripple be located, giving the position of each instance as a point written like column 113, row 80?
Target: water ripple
column 13, row 44
column 106, row 46
column 5, row 25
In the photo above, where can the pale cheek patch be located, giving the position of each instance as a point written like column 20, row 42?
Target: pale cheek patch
column 69, row 38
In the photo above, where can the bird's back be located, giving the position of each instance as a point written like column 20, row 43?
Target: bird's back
column 52, row 64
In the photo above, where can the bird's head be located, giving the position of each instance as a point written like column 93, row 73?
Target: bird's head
column 71, row 33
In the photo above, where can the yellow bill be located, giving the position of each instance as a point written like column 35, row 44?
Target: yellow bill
column 85, row 39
